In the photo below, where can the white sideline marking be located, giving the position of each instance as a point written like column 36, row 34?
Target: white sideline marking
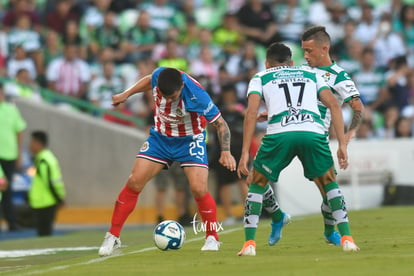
column 101, row 259
column 42, row 251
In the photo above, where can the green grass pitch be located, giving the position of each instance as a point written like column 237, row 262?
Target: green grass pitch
column 385, row 236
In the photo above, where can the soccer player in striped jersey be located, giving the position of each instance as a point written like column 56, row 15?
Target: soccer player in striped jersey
column 182, row 110
column 295, row 128
column 316, row 44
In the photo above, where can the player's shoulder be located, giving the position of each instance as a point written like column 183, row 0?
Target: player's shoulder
column 340, row 72
column 336, row 72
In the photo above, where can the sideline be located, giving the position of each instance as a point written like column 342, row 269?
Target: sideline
column 42, row 251
column 101, row 259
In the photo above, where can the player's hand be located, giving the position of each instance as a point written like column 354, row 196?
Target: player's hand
column 342, row 157
column 262, row 117
column 242, row 169
column 227, row 160
column 119, row 98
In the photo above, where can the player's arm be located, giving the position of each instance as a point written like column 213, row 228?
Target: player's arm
column 348, row 91
column 144, row 84
column 224, row 136
column 248, row 131
column 329, row 100
column 358, row 108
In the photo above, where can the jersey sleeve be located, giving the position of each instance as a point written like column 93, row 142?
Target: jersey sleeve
column 346, row 87
column 255, row 86
column 154, row 76
column 321, row 84
column 198, row 100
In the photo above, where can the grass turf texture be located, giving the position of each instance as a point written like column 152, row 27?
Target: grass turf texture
column 385, row 236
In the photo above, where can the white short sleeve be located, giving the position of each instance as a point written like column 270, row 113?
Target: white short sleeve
column 255, row 86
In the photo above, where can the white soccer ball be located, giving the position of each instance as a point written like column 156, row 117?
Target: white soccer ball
column 169, row 235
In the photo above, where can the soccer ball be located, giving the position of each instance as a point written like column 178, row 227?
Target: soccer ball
column 169, row 235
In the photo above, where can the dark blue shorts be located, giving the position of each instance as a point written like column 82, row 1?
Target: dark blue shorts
column 190, row 151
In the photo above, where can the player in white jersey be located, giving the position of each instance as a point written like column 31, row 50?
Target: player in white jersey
column 316, row 45
column 295, row 129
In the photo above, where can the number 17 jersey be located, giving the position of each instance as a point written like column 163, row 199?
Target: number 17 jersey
column 291, row 97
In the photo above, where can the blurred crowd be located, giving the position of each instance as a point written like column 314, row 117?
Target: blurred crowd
column 91, row 50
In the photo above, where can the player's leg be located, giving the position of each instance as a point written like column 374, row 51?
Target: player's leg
column 337, row 204
column 198, row 181
column 318, row 166
column 331, row 236
column 252, row 211
column 270, row 203
column 266, row 167
column 143, row 170
column 279, row 218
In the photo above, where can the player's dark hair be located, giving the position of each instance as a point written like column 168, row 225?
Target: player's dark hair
column 318, row 34
column 278, row 53
column 41, row 137
column 169, row 81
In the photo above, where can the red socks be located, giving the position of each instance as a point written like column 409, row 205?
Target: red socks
column 207, row 208
column 128, row 198
column 124, row 206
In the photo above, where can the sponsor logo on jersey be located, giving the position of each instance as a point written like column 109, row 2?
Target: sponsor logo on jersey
column 288, row 74
column 296, row 117
column 145, row 147
column 171, row 118
column 267, row 169
column 209, row 108
column 199, row 137
column 350, row 88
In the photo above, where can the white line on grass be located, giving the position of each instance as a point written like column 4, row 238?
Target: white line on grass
column 101, row 259
column 40, row 251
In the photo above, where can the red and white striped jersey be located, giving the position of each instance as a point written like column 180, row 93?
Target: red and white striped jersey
column 186, row 116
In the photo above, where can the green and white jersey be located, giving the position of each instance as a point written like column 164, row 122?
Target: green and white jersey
column 341, row 84
column 291, row 97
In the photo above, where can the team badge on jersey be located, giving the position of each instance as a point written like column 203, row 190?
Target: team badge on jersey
column 326, row 77
column 144, row 146
column 179, row 112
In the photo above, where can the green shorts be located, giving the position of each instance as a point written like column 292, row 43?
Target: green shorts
column 278, row 150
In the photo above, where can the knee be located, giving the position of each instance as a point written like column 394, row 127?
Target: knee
column 134, row 183
column 199, row 191
column 327, row 178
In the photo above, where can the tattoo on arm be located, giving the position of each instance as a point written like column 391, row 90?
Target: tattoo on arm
column 223, row 133
column 357, row 116
column 356, row 119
